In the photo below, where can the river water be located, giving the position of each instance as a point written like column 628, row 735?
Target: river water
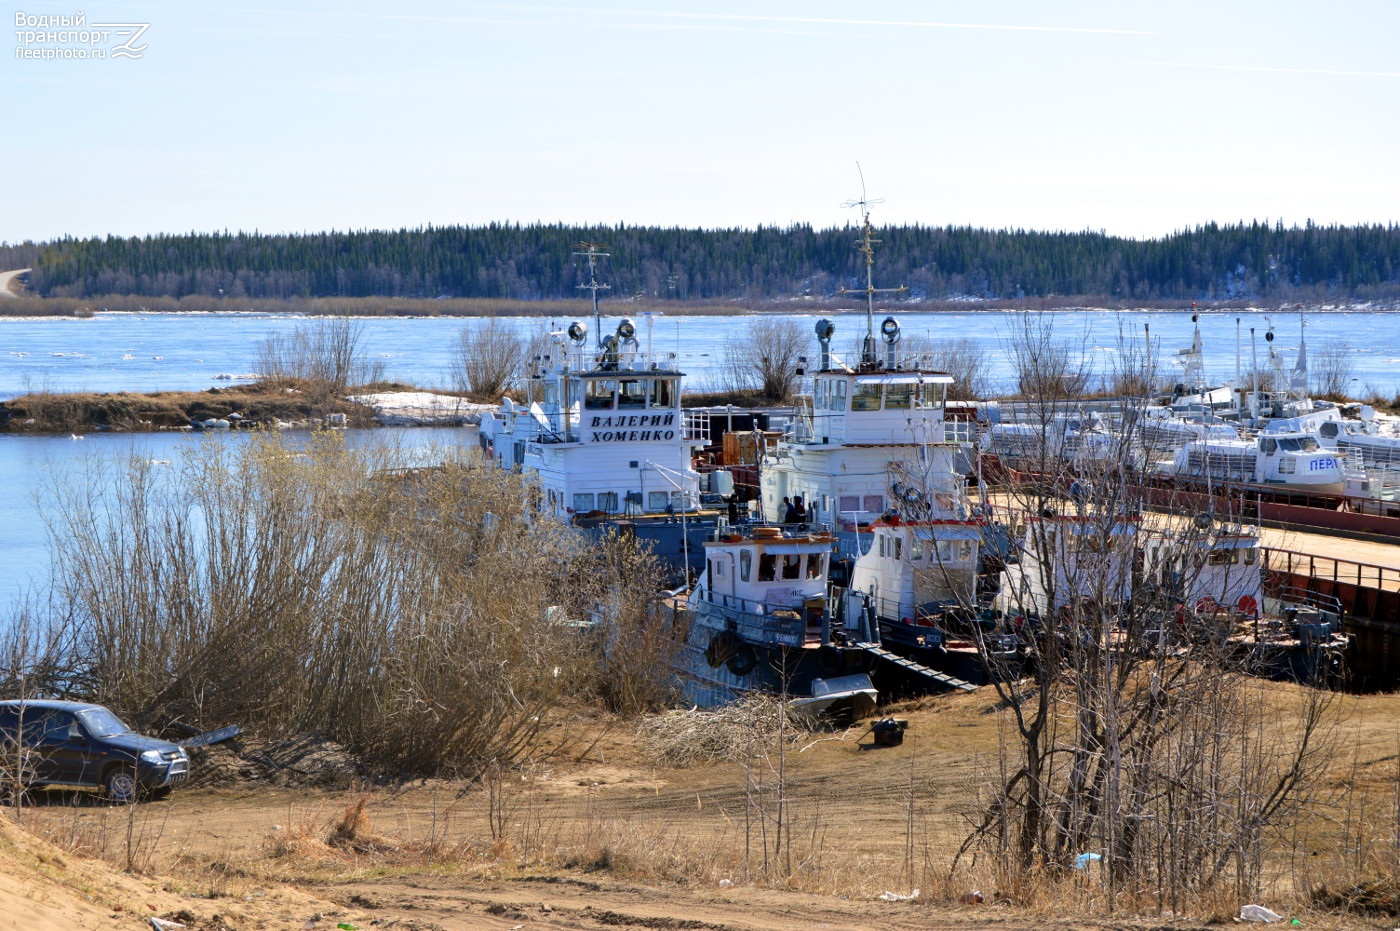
column 151, row 352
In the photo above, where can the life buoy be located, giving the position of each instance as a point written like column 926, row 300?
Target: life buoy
column 743, row 661
column 721, row 649
column 1206, row 605
column 831, row 662
column 1249, row 605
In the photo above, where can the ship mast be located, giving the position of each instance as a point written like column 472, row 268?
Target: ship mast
column 592, row 252
column 865, row 245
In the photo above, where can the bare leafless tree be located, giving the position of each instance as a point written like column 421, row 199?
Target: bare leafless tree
column 962, row 357
column 1136, row 739
column 493, row 357
column 765, row 357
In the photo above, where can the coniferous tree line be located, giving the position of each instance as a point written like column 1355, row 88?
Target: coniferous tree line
column 535, row 262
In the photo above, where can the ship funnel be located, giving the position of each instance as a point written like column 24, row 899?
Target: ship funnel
column 825, row 330
column 889, row 329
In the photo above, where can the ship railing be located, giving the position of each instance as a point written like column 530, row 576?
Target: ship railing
column 589, row 358
column 801, row 427
column 757, row 622
column 1325, row 568
column 724, row 531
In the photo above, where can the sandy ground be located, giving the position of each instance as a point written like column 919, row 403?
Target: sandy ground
column 10, row 285
column 598, row 835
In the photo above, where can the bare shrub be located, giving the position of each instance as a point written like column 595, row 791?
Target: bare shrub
column 765, row 357
column 35, row 654
column 328, row 353
column 409, row 615
column 1330, row 370
column 492, row 359
column 637, row 641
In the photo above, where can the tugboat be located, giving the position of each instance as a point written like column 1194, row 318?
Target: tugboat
column 606, row 438
column 1214, row 575
column 761, row 618
column 921, row 574
column 1064, row 557
column 860, row 420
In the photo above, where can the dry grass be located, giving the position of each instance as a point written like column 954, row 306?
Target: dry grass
column 862, row 822
column 263, row 404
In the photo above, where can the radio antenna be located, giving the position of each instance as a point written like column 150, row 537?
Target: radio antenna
column 865, row 245
column 593, row 252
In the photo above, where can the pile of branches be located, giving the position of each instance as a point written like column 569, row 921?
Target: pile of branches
column 727, row 734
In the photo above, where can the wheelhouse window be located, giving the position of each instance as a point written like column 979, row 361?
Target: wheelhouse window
column 838, row 395
column 599, row 396
column 583, row 502
column 663, row 392
column 850, row 503
column 657, row 500
column 792, row 566
column 745, row 564
column 930, row 396
column 874, row 503
column 816, row 565
column 898, row 397
column 607, row 501
column 866, row 397
column 632, row 393
column 767, row 567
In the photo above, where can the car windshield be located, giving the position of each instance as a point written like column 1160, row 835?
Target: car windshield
column 102, row 723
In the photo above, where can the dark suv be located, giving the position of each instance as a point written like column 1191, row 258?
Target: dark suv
column 66, row 743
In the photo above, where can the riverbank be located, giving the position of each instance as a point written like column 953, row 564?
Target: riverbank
column 259, row 405
column 24, row 304
column 278, row 406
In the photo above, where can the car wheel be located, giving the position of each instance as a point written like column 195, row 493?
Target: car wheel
column 120, row 784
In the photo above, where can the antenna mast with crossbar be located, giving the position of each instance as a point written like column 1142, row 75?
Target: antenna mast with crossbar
column 592, row 252
column 865, row 245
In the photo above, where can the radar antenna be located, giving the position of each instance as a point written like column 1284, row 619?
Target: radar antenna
column 865, row 245
column 593, row 252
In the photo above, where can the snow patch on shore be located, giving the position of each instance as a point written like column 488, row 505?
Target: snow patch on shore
column 422, row 409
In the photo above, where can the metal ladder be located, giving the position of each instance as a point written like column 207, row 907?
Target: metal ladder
column 918, row 669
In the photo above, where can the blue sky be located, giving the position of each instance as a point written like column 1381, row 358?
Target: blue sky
column 1137, row 118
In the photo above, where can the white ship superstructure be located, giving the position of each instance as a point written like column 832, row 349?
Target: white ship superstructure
column 606, row 434
column 860, row 423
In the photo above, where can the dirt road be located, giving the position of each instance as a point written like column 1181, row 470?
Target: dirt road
column 10, row 285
